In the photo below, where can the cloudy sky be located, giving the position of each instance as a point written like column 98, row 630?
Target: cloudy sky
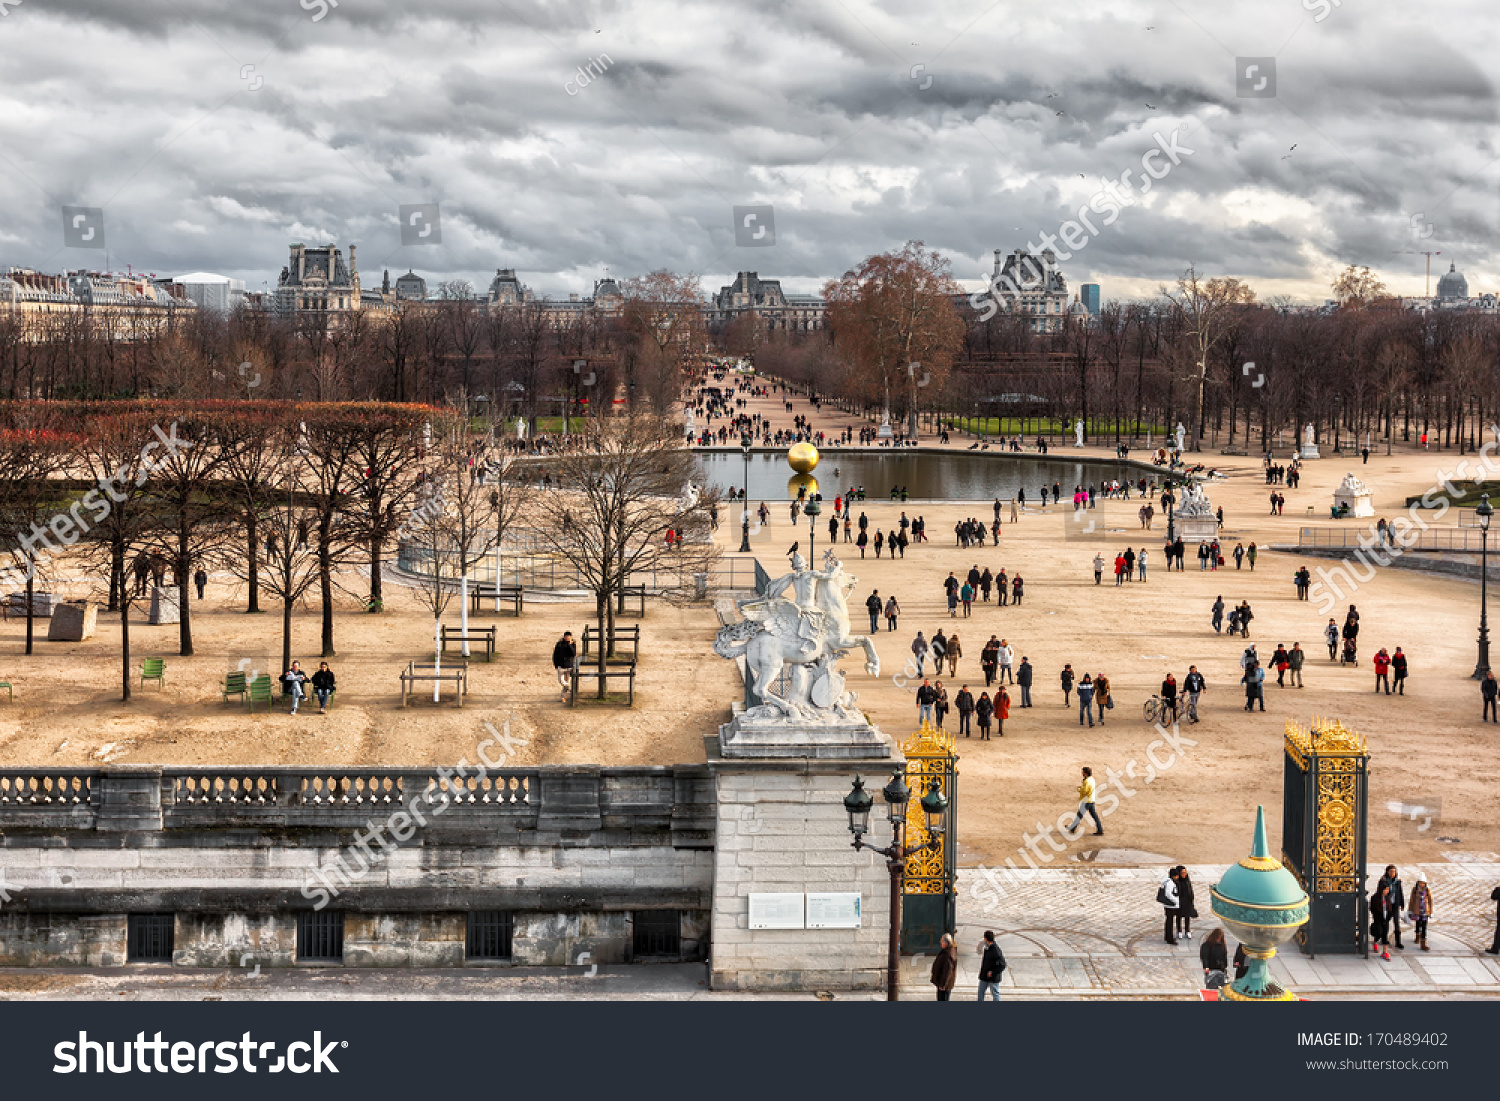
column 213, row 133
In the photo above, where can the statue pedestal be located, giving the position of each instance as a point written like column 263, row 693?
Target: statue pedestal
column 1198, row 529
column 831, row 739
column 1309, row 451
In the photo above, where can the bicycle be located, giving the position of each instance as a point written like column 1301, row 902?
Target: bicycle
column 1158, row 710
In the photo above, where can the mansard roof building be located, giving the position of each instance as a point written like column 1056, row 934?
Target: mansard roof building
column 749, row 293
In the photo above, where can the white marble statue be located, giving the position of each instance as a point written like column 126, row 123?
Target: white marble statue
column 691, row 427
column 1181, row 436
column 1495, row 428
column 809, row 632
column 1307, row 436
column 1078, row 433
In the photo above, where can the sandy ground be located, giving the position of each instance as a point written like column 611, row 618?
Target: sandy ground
column 1428, row 747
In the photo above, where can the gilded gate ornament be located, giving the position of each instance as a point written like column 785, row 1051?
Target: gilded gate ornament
column 929, row 756
column 1332, row 761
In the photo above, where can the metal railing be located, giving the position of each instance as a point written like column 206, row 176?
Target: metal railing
column 1433, row 539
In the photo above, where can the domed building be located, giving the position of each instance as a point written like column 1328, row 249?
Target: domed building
column 1452, row 286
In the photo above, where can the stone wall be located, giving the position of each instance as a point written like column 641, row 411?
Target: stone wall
column 236, row 855
column 782, row 828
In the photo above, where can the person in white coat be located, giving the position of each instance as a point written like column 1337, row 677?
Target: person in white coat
column 1006, row 654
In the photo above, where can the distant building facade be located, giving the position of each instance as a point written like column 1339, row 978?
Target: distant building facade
column 116, row 301
column 318, row 283
column 1030, row 285
column 749, row 293
column 1453, row 294
column 212, row 292
column 1089, row 292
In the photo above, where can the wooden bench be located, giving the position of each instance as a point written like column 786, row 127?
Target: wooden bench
column 429, row 673
column 481, row 636
column 260, row 692
column 591, row 673
column 234, row 684
column 484, row 591
column 632, row 592
column 623, row 636
column 154, row 669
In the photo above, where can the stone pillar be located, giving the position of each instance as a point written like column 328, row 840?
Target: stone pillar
column 164, row 607
column 782, row 828
column 129, row 800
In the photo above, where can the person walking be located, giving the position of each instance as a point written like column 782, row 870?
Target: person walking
column 879, row 542
column 945, row 968
column 1005, row 655
column 1281, row 661
column 1001, row 703
column 1194, row 685
column 1098, row 568
column 1086, row 792
column 1169, row 695
column 1140, row 563
column 984, row 711
column 1166, row 897
column 939, row 704
column 1186, row 912
column 991, row 967
column 1304, row 583
column 1246, row 615
column 989, row 660
column 1086, row 700
column 564, row 657
column 1294, row 659
column 919, row 650
column 1395, row 902
column 873, row 605
column 1067, row 684
column 323, row 684
column 1419, row 909
column 1101, row 696
column 1398, row 671
column 986, row 584
column 1239, row 552
column 1023, row 681
column 966, row 598
column 294, row 678
column 1331, row 636
column 200, row 579
column 952, row 651
column 1380, row 919
column 1218, row 611
column 1249, row 554
column 964, row 701
column 926, row 697
column 892, row 611
column 1119, row 570
column 1489, row 688
column 862, row 542
column 1129, row 564
column 1382, row 671
column 1002, row 588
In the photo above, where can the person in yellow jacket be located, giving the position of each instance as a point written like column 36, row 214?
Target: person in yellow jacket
column 1086, row 803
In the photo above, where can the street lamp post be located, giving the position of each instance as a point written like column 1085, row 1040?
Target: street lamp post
column 746, row 442
column 1483, row 514
column 812, row 510
column 935, row 805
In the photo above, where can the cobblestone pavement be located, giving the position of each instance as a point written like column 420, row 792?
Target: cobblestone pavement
column 1070, row 932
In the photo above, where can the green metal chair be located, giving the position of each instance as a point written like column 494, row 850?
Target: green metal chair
column 154, row 669
column 260, row 692
column 234, row 684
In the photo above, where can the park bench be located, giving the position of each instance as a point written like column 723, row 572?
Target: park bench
column 632, row 592
column 474, row 636
column 234, row 684
column 591, row 673
column 154, row 669
column 260, row 692
column 485, row 591
column 429, row 673
column 623, row 636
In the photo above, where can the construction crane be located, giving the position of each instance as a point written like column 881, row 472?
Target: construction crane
column 1429, row 255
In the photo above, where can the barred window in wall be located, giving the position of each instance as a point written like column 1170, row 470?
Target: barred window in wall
column 656, row 933
column 490, row 934
column 150, row 938
column 320, row 937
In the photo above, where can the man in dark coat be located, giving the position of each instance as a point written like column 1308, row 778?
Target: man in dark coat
column 564, row 654
column 1023, row 681
column 873, row 605
column 991, row 967
column 1396, row 899
column 945, row 968
column 964, row 701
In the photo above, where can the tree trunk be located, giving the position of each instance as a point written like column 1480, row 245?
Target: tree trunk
column 252, row 558
column 377, row 598
column 30, row 589
column 184, row 582
column 601, row 606
column 286, row 633
column 325, row 590
column 125, row 644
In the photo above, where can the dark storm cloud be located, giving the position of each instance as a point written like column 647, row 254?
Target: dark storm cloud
column 214, row 133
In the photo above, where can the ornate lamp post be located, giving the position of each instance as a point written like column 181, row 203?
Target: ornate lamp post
column 811, row 511
column 935, row 806
column 1483, row 513
column 746, row 443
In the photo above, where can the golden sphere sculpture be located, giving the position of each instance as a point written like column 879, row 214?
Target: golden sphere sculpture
column 802, row 457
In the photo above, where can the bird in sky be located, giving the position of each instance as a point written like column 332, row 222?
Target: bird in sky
column 1149, row 107
column 1052, row 95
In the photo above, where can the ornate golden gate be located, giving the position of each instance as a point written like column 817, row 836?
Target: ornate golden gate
column 1325, row 807
column 928, row 899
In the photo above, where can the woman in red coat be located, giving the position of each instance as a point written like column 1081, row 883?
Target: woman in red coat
column 1002, row 711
